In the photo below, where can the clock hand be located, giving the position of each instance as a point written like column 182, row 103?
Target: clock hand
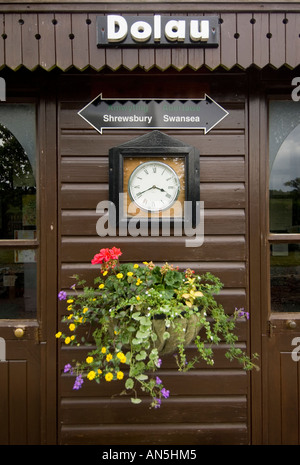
column 152, row 187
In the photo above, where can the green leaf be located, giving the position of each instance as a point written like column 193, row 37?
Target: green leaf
column 142, row 334
column 134, row 400
column 166, row 335
column 141, row 377
column 142, row 355
column 136, row 315
column 129, row 383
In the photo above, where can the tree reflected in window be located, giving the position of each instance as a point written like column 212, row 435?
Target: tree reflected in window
column 17, row 190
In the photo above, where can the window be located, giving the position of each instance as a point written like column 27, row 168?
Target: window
column 284, row 205
column 18, row 225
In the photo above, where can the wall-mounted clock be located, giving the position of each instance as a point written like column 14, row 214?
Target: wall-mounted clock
column 156, row 175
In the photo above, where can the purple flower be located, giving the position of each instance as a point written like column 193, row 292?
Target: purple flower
column 78, row 382
column 73, row 286
column 241, row 312
column 158, row 380
column 62, row 295
column 157, row 403
column 158, row 363
column 165, row 393
column 68, row 368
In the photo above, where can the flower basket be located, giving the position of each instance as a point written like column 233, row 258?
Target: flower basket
column 135, row 314
column 184, row 331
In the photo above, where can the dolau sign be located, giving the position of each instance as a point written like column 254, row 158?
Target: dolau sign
column 157, row 30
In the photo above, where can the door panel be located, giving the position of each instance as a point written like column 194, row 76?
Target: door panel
column 282, row 399
column 19, row 388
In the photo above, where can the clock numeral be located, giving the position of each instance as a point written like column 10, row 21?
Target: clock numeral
column 170, row 187
column 136, row 187
column 154, row 169
column 139, row 177
column 145, row 201
column 168, row 195
column 146, row 171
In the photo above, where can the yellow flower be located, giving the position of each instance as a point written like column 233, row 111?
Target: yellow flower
column 137, row 297
column 138, row 282
column 72, row 327
column 119, row 275
column 99, row 371
column 67, row 340
column 145, row 263
column 101, row 286
column 123, row 359
column 85, row 310
column 120, row 375
column 58, row 335
column 103, row 350
column 72, row 338
column 129, row 273
column 120, row 355
column 109, row 357
column 69, row 307
column 105, row 273
column 109, row 376
column 70, row 301
column 135, row 266
column 70, row 316
column 91, row 375
column 89, row 359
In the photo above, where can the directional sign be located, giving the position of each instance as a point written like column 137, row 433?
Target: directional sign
column 153, row 114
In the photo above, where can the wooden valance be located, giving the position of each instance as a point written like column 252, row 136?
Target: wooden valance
column 68, row 39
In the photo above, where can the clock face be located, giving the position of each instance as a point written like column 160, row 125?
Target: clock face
column 153, row 186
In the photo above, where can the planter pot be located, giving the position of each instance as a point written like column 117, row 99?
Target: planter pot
column 184, row 328
column 187, row 327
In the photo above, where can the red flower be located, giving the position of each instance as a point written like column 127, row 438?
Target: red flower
column 101, row 257
column 115, row 253
column 105, row 255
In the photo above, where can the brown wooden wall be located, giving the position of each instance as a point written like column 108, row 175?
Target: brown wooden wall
column 207, row 405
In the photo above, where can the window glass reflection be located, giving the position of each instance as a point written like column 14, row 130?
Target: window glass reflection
column 18, row 284
column 285, row 277
column 285, row 186
column 17, row 189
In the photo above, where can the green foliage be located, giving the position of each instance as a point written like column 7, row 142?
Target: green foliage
column 135, row 314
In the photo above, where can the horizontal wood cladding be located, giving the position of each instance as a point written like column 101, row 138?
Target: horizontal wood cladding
column 209, row 405
column 157, row 434
column 192, row 409
column 68, row 39
column 199, row 382
column 226, row 248
column 232, row 274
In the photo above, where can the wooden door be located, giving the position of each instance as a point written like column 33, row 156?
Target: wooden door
column 27, row 281
column 275, row 245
